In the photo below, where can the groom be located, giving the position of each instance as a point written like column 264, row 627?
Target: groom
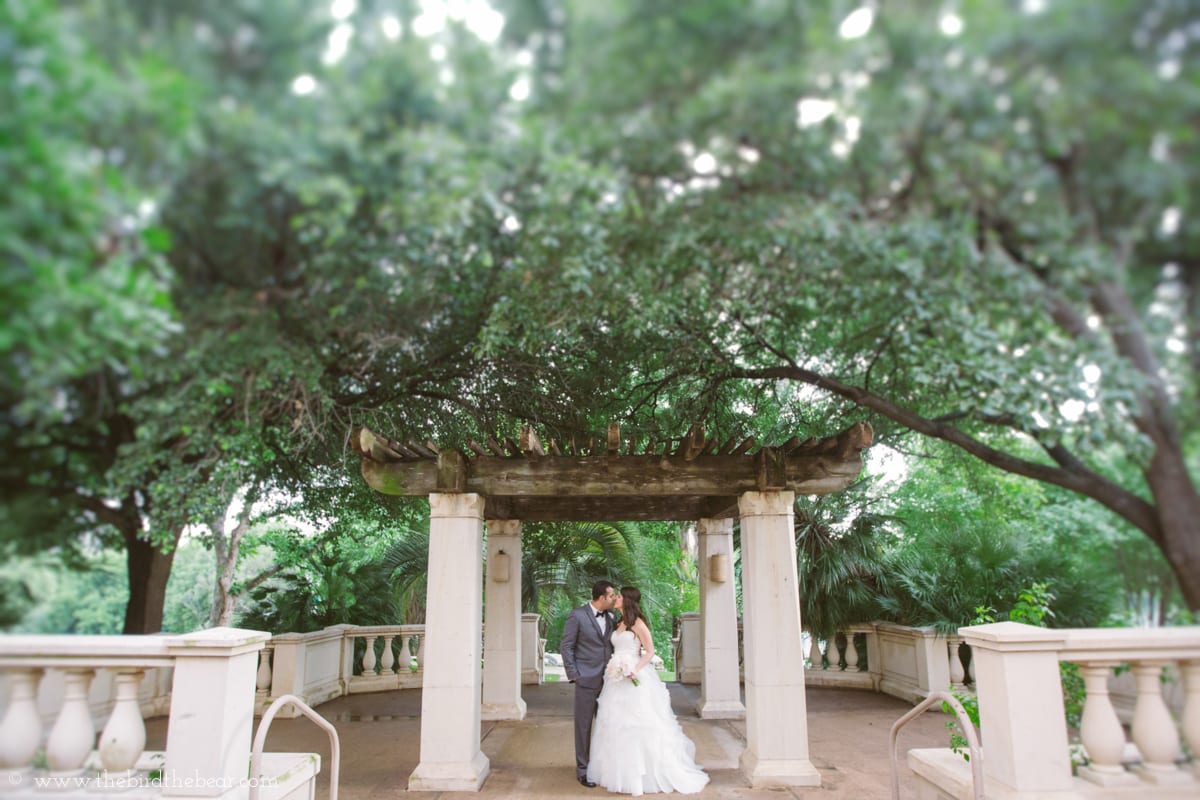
column 586, row 648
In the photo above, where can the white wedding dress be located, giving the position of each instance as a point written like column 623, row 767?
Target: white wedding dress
column 637, row 744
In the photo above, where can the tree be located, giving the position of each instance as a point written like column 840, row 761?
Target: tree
column 969, row 226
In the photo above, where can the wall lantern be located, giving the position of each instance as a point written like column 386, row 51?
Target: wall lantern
column 718, row 568
column 499, row 567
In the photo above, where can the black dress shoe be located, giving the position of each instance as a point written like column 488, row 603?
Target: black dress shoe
column 589, row 784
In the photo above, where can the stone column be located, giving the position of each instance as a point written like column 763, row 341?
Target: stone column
column 502, row 623
column 450, row 757
column 776, row 711
column 1021, row 715
column 212, row 711
column 720, row 687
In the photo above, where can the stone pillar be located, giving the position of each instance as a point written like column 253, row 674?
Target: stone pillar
column 776, row 710
column 1021, row 716
column 720, row 687
column 212, row 712
column 450, row 757
column 502, row 624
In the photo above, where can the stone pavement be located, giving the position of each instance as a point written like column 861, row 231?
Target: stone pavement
column 535, row 758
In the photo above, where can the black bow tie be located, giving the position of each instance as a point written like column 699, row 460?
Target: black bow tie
column 600, row 613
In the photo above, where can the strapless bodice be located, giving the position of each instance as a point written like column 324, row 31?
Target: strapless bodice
column 625, row 643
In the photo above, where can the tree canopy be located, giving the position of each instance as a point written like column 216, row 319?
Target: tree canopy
column 233, row 232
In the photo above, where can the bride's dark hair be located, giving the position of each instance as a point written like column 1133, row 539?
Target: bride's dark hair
column 631, row 607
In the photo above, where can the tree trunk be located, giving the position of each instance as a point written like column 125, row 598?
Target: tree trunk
column 1178, row 506
column 225, row 548
column 149, row 570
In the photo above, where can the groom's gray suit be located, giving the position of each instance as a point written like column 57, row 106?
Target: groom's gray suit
column 586, row 648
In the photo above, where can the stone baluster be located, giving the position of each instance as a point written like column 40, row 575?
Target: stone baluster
column 388, row 661
column 73, row 734
column 368, row 662
column 814, row 653
column 262, row 681
column 851, row 653
column 124, row 736
column 1100, row 730
column 833, row 653
column 21, row 728
column 420, row 652
column 969, row 666
column 1153, row 729
column 404, row 664
column 1190, row 671
column 957, row 674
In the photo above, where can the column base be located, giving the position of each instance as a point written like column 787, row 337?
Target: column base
column 450, row 776
column 722, row 709
column 1160, row 776
column 764, row 772
column 1113, row 776
column 496, row 711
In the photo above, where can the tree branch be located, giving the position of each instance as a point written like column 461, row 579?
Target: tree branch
column 1077, row 478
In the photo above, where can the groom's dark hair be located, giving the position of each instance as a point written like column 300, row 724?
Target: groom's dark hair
column 600, row 588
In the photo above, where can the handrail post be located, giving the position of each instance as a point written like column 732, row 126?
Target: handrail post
column 260, row 740
column 964, row 722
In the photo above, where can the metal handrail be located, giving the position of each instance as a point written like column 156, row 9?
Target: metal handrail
column 260, row 738
column 964, row 722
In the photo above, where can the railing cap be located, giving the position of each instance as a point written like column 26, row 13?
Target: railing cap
column 925, row 631
column 1012, row 636
column 71, row 650
column 1127, row 644
column 217, row 642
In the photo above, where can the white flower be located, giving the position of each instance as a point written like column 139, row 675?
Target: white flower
column 619, row 666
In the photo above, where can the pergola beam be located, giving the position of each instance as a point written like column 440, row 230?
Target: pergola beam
column 680, row 508
column 614, row 476
column 697, row 479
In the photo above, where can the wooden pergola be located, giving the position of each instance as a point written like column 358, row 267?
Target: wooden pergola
column 695, row 478
column 609, row 479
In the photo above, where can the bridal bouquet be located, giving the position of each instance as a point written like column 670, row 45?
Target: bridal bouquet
column 620, row 666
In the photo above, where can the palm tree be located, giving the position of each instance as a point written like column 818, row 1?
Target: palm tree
column 839, row 563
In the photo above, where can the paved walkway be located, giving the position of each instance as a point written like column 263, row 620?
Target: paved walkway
column 534, row 758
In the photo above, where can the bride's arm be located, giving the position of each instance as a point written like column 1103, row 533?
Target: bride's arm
column 643, row 634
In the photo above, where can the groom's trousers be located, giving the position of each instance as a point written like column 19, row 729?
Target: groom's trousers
column 585, row 714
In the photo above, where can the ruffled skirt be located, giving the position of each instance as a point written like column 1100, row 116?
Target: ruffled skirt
column 637, row 744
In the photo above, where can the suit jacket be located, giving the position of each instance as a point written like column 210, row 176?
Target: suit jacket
column 585, row 651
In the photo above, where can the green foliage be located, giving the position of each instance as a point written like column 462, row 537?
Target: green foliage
column 87, row 601
column 210, row 278
column 840, row 561
column 84, row 282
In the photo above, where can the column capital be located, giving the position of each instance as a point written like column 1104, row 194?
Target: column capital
column 503, row 527
column 714, row 527
column 467, row 505
column 765, row 504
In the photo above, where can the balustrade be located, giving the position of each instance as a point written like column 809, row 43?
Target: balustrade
column 1154, row 657
column 381, row 666
column 1029, row 754
column 31, row 663
column 48, row 726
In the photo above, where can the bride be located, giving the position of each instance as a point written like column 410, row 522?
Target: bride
column 637, row 745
